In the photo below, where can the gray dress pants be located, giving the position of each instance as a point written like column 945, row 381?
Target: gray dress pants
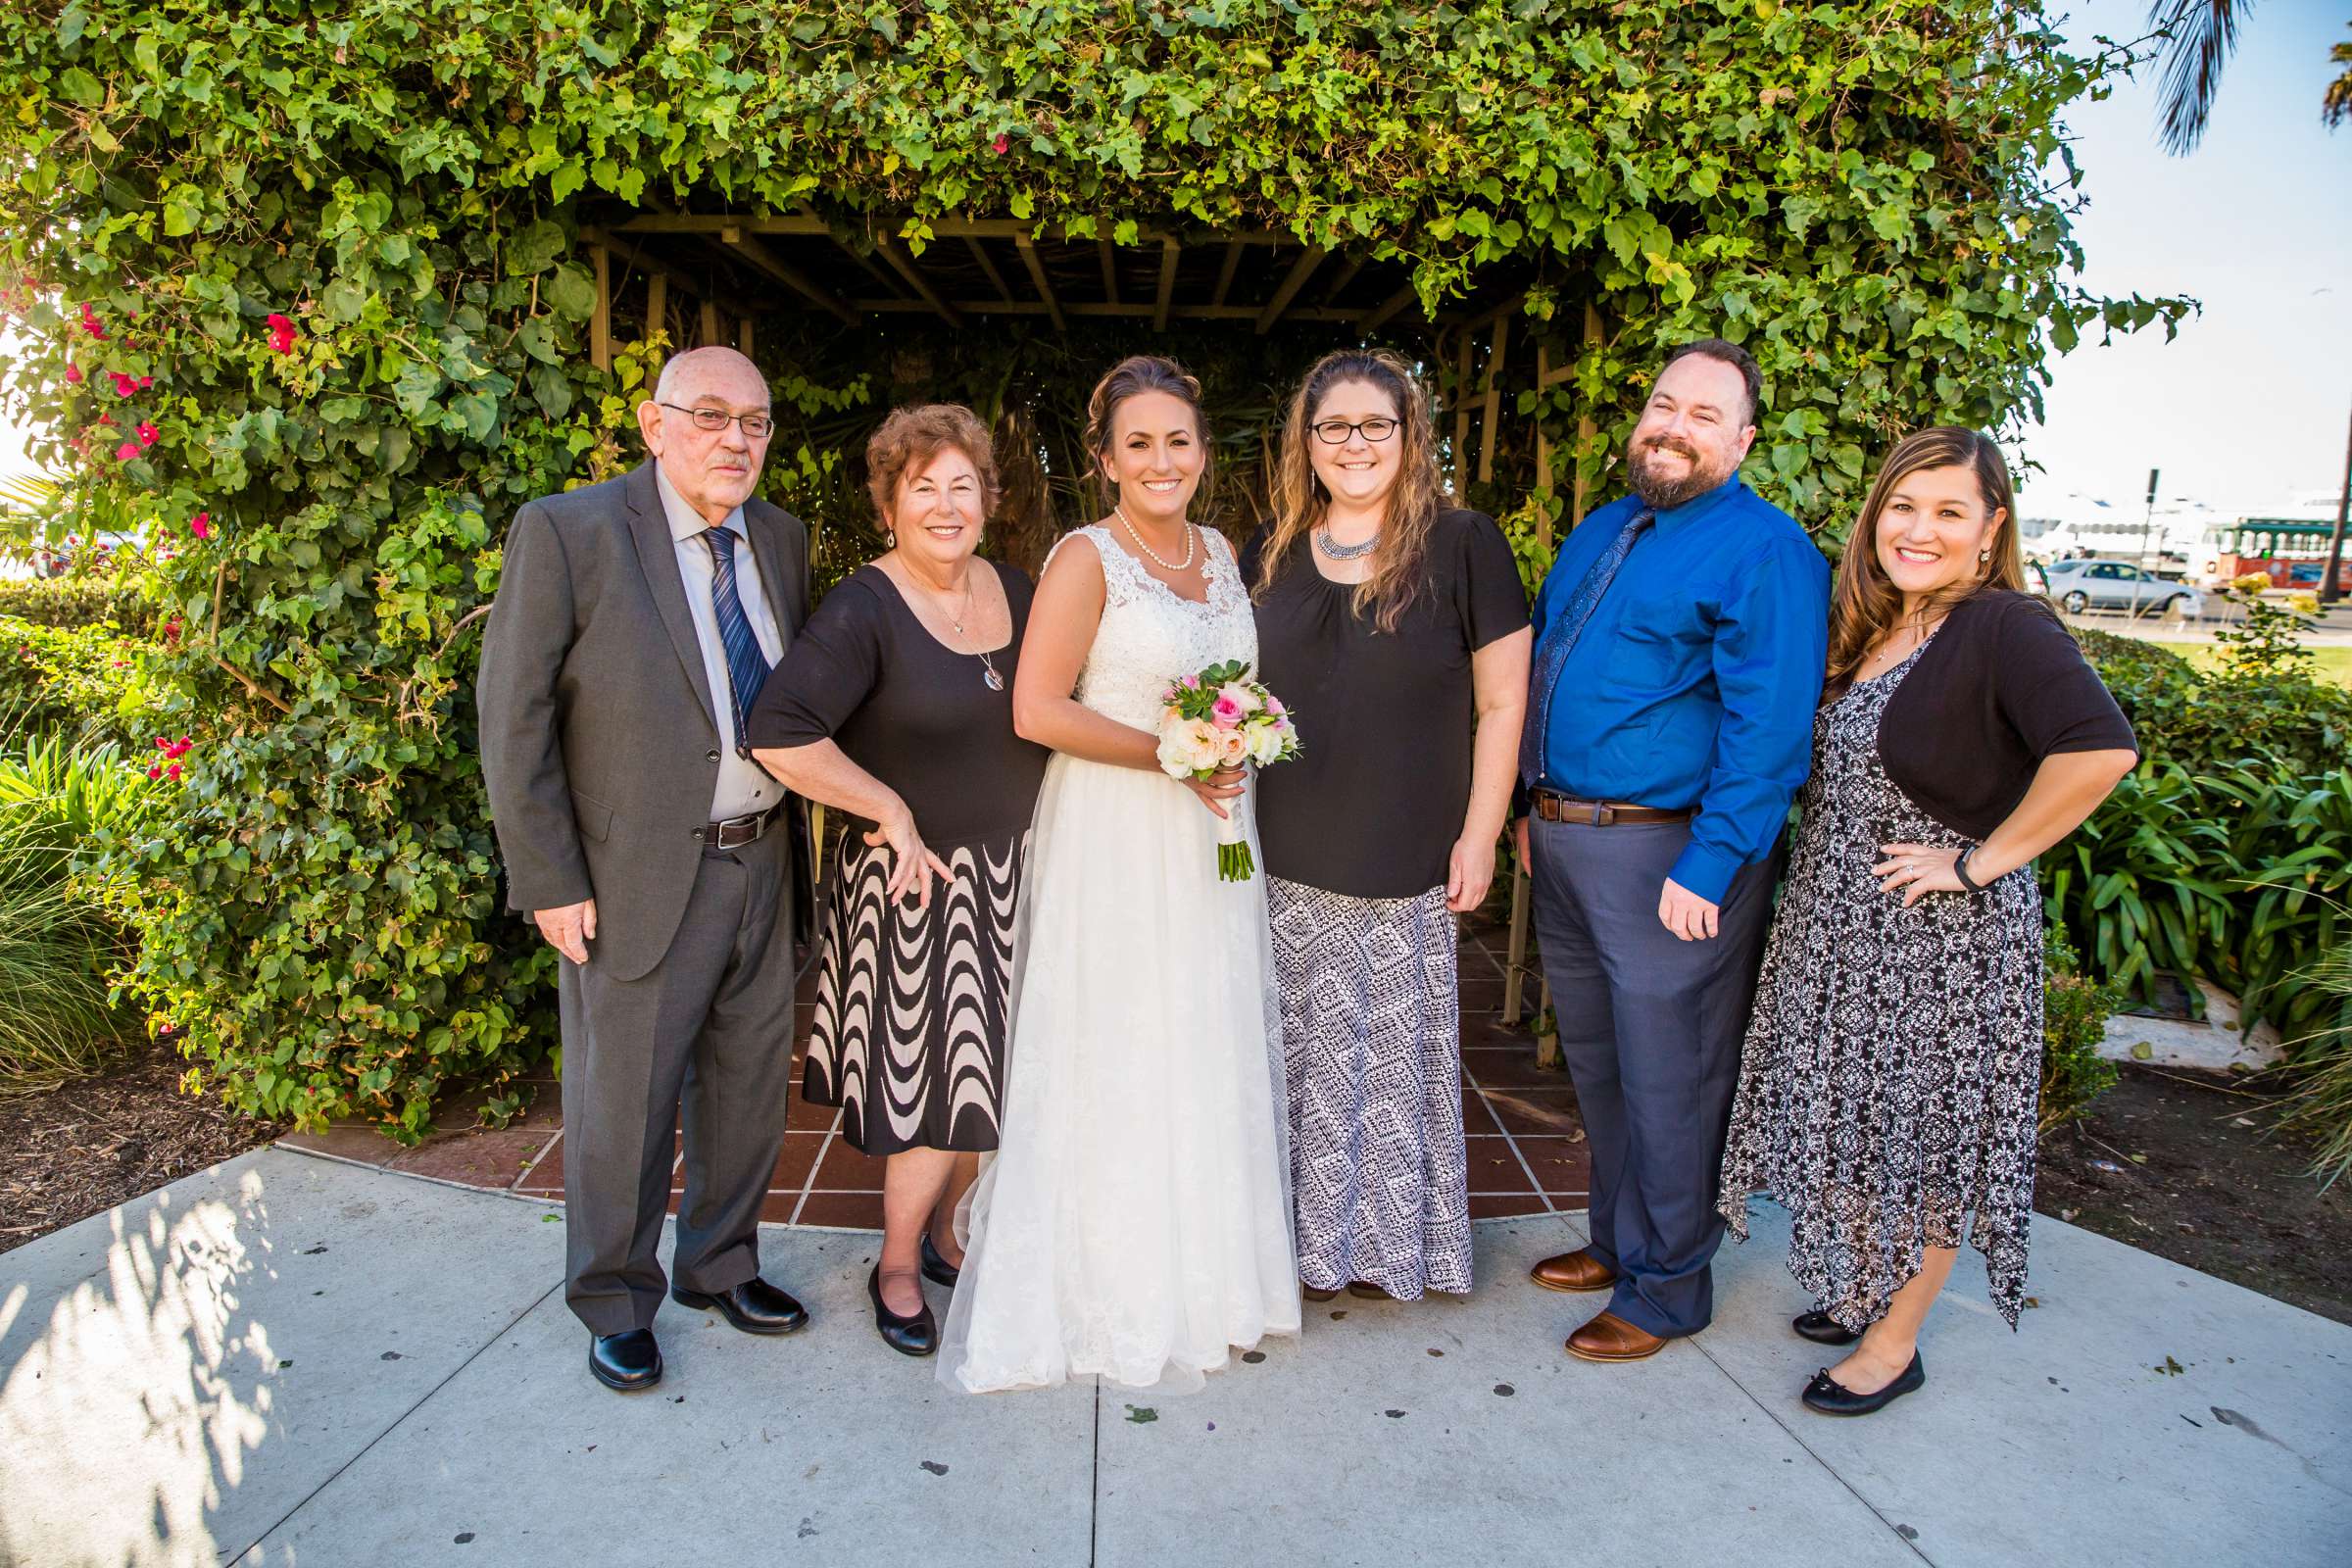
column 710, row 1026
column 1651, row 1028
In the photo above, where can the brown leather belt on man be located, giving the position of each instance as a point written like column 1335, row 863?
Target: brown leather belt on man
column 1553, row 806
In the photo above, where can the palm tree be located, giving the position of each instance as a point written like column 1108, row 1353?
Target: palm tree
column 2336, row 104
column 2199, row 37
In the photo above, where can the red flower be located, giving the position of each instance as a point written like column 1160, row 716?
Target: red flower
column 998, row 146
column 106, row 418
column 124, row 385
column 127, row 450
column 201, row 526
column 73, row 373
column 146, row 382
column 90, row 322
column 172, row 771
column 281, row 335
column 156, row 771
column 148, row 433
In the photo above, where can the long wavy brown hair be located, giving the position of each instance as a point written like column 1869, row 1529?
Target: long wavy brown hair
column 1866, row 605
column 1399, row 562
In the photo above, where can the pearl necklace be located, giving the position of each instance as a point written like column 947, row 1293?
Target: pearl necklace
column 1165, row 564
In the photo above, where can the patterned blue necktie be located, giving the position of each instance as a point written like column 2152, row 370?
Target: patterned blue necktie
column 747, row 665
column 1561, row 635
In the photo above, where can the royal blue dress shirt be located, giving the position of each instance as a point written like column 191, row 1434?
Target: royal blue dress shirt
column 1694, row 682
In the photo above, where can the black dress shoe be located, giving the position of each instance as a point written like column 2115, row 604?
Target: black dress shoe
column 908, row 1336
column 754, row 1306
column 1823, row 1329
column 937, row 1269
column 627, row 1362
column 1831, row 1397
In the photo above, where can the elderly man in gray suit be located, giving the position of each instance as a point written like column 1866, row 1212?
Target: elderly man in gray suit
column 635, row 623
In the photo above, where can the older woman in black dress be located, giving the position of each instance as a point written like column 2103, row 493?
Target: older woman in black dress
column 895, row 704
column 1892, row 1067
column 1395, row 629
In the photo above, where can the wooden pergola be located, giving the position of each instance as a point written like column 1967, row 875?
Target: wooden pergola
column 711, row 277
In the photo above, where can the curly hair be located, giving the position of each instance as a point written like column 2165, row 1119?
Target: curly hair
column 911, row 437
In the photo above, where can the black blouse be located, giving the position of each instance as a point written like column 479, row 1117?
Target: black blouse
column 1373, row 804
column 915, row 713
column 2000, row 687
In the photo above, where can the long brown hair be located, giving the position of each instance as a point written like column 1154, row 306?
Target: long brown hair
column 1864, row 605
column 1130, row 377
column 1400, row 560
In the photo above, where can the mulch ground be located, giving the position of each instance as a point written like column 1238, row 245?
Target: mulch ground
column 84, row 1146
column 2185, row 1167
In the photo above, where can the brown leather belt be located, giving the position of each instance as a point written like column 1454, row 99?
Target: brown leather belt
column 1553, row 806
column 737, row 831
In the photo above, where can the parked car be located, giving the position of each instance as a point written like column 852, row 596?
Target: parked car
column 2095, row 584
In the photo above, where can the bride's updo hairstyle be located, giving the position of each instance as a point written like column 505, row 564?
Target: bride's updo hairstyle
column 1139, row 373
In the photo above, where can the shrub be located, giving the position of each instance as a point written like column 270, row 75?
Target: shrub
column 77, row 680
column 2319, row 1107
column 2075, row 1010
column 78, row 600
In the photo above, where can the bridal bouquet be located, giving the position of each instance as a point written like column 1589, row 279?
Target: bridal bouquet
column 1219, row 719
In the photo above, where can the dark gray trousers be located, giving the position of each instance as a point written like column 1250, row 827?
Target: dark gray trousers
column 710, row 1026
column 1651, row 1027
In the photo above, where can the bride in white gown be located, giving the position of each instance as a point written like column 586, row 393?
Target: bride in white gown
column 1135, row 1221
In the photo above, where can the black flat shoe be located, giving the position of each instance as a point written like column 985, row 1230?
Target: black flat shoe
column 1822, row 1329
column 1831, row 1397
column 1315, row 1293
column 908, row 1336
column 626, row 1363
column 937, row 1269
column 754, row 1306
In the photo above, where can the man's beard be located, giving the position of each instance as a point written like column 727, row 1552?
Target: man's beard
column 1661, row 493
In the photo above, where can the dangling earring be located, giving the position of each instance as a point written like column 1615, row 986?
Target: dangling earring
column 890, row 538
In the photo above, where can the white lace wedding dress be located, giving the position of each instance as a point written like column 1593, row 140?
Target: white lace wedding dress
column 1136, row 1220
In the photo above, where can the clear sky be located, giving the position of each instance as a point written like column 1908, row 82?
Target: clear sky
column 2249, row 408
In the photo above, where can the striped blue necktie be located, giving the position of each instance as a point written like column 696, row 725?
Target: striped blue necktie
column 747, row 665
column 1561, row 635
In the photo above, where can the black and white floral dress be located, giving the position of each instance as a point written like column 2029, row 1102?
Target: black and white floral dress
column 1893, row 1066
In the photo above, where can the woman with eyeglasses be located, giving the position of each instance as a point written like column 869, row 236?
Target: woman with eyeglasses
column 1395, row 628
column 895, row 705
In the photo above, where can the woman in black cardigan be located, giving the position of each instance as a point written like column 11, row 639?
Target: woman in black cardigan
column 1892, row 1067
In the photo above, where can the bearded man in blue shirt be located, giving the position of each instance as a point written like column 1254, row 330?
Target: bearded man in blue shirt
column 1680, row 643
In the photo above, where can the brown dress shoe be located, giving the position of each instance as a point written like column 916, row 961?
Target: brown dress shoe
column 1610, row 1337
column 1579, row 1270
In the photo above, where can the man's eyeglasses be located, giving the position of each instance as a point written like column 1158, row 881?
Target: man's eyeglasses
column 755, row 426
column 1335, row 432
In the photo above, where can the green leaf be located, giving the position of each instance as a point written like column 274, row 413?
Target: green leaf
column 552, row 390
column 571, row 291
column 80, row 86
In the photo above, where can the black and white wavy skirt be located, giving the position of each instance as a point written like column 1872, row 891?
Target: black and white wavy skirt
column 908, row 1037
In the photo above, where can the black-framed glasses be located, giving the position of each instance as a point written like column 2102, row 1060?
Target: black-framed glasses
column 1335, row 432
column 755, row 426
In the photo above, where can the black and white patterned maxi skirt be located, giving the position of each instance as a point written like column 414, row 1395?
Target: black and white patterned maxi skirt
column 1372, row 1056
column 908, row 1037
column 1891, row 1072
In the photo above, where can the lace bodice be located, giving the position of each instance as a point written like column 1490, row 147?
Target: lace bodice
column 1150, row 635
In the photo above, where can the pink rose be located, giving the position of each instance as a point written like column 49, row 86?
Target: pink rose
column 1274, row 705
column 1241, row 695
column 1225, row 713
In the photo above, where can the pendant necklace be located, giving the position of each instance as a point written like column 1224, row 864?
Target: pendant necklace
column 987, row 668
column 1340, row 552
column 1165, row 563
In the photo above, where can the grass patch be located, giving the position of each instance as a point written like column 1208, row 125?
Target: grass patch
column 2333, row 662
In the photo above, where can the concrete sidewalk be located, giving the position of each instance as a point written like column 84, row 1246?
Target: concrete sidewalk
column 290, row 1360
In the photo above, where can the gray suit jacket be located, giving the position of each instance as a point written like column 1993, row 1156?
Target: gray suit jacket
column 598, row 736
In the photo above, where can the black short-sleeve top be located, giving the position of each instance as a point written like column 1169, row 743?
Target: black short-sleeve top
column 2000, row 686
column 917, row 714
column 1373, row 804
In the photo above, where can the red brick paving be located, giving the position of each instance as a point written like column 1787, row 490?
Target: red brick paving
column 1526, row 1142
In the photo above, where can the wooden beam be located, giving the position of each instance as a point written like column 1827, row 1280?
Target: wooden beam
column 1037, row 279
column 1461, row 412
column 1338, row 286
column 904, row 266
column 1168, row 252
column 600, row 319
column 657, row 316
column 1225, row 270
column 1586, row 429
column 1125, row 310
column 709, row 325
column 744, row 339
column 1301, row 270
column 1542, row 449
column 654, row 266
column 996, row 278
column 761, row 259
column 809, row 224
column 1110, row 269
column 1491, row 419
column 1379, row 316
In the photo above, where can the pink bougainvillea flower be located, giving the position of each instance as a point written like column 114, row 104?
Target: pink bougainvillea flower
column 162, row 743
column 156, row 771
column 281, row 333
column 201, row 526
column 146, row 382
column 90, row 322
column 73, row 373
column 148, row 434
column 172, row 771
column 127, row 450
column 106, row 418
column 124, row 385
column 999, row 145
